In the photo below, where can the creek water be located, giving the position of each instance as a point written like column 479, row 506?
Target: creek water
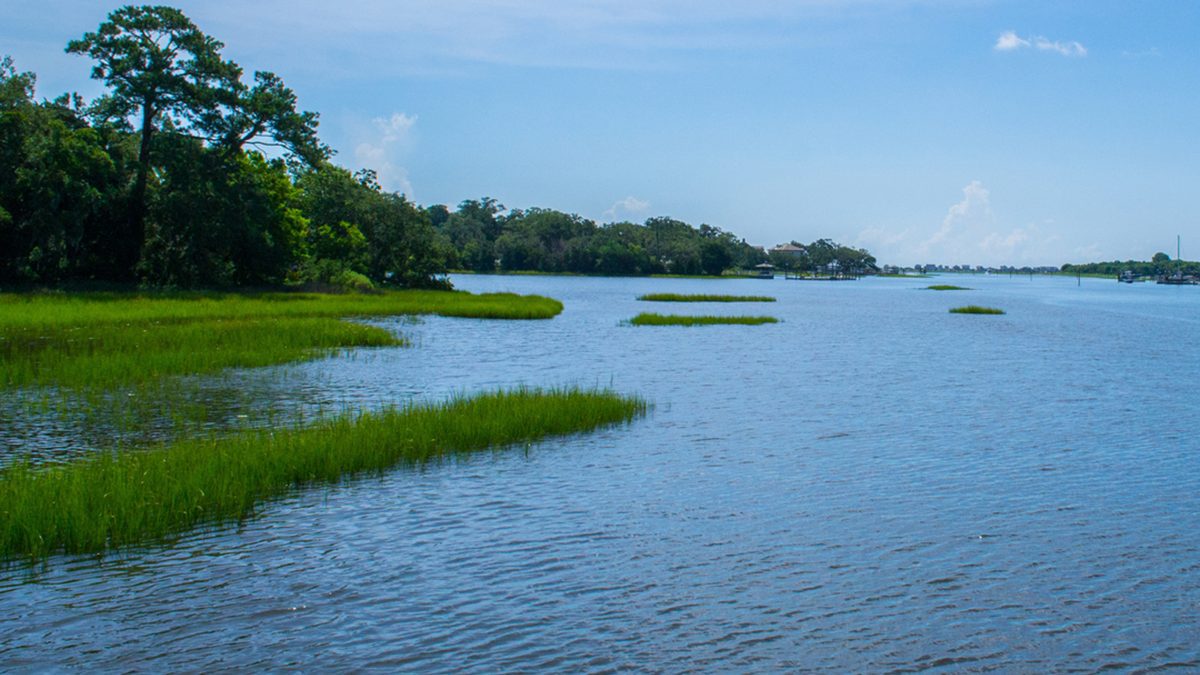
column 870, row 484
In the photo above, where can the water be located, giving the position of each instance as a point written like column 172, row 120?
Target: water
column 871, row 484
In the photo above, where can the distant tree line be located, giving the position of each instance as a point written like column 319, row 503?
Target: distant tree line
column 480, row 236
column 1160, row 264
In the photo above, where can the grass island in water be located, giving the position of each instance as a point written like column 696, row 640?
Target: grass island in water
column 645, row 319
column 677, row 297
column 115, row 500
column 976, row 309
column 946, row 287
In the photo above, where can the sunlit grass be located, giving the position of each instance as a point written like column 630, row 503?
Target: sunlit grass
column 678, row 320
column 54, row 310
column 976, row 309
column 106, row 355
column 117, row 500
column 111, row 339
column 677, row 297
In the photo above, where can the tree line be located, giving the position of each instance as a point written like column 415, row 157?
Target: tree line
column 1160, row 264
column 189, row 173
column 479, row 236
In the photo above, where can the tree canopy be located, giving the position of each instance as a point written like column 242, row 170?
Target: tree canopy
column 164, row 179
column 479, row 236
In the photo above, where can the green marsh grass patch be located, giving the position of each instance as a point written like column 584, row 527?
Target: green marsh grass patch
column 645, row 319
column 976, row 309
column 111, row 339
column 677, row 297
column 113, row 500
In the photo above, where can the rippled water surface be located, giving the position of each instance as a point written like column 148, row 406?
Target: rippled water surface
column 871, row 484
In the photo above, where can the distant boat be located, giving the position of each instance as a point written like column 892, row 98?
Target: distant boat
column 1178, row 279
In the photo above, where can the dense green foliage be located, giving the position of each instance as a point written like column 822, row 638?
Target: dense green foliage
column 116, row 500
column 646, row 319
column 1160, row 265
column 481, row 237
column 824, row 256
column 677, row 297
column 946, row 287
column 976, row 309
column 185, row 197
column 108, row 339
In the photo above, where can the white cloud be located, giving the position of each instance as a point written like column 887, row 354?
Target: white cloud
column 1065, row 48
column 397, row 127
column 1009, row 41
column 972, row 213
column 970, row 234
column 626, row 207
column 392, row 136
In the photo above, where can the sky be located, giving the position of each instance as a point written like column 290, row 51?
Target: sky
column 927, row 131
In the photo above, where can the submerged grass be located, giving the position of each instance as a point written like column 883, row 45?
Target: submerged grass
column 946, row 287
column 677, row 297
column 112, row 339
column 117, row 500
column 976, row 309
column 645, row 319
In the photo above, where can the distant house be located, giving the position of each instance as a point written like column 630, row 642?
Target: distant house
column 790, row 250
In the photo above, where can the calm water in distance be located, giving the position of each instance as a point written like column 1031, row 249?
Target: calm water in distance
column 871, row 484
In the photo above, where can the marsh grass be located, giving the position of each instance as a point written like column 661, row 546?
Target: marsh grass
column 976, row 309
column 677, row 297
column 109, row 355
column 946, row 287
column 114, row 500
column 50, row 311
column 113, row 339
column 645, row 319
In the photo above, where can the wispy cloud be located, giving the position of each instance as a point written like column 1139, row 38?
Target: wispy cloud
column 392, row 136
column 1009, row 41
column 397, row 127
column 629, row 206
column 1152, row 52
column 437, row 37
column 970, row 233
column 974, row 212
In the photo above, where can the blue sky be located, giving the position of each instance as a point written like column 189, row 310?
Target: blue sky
column 955, row 131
